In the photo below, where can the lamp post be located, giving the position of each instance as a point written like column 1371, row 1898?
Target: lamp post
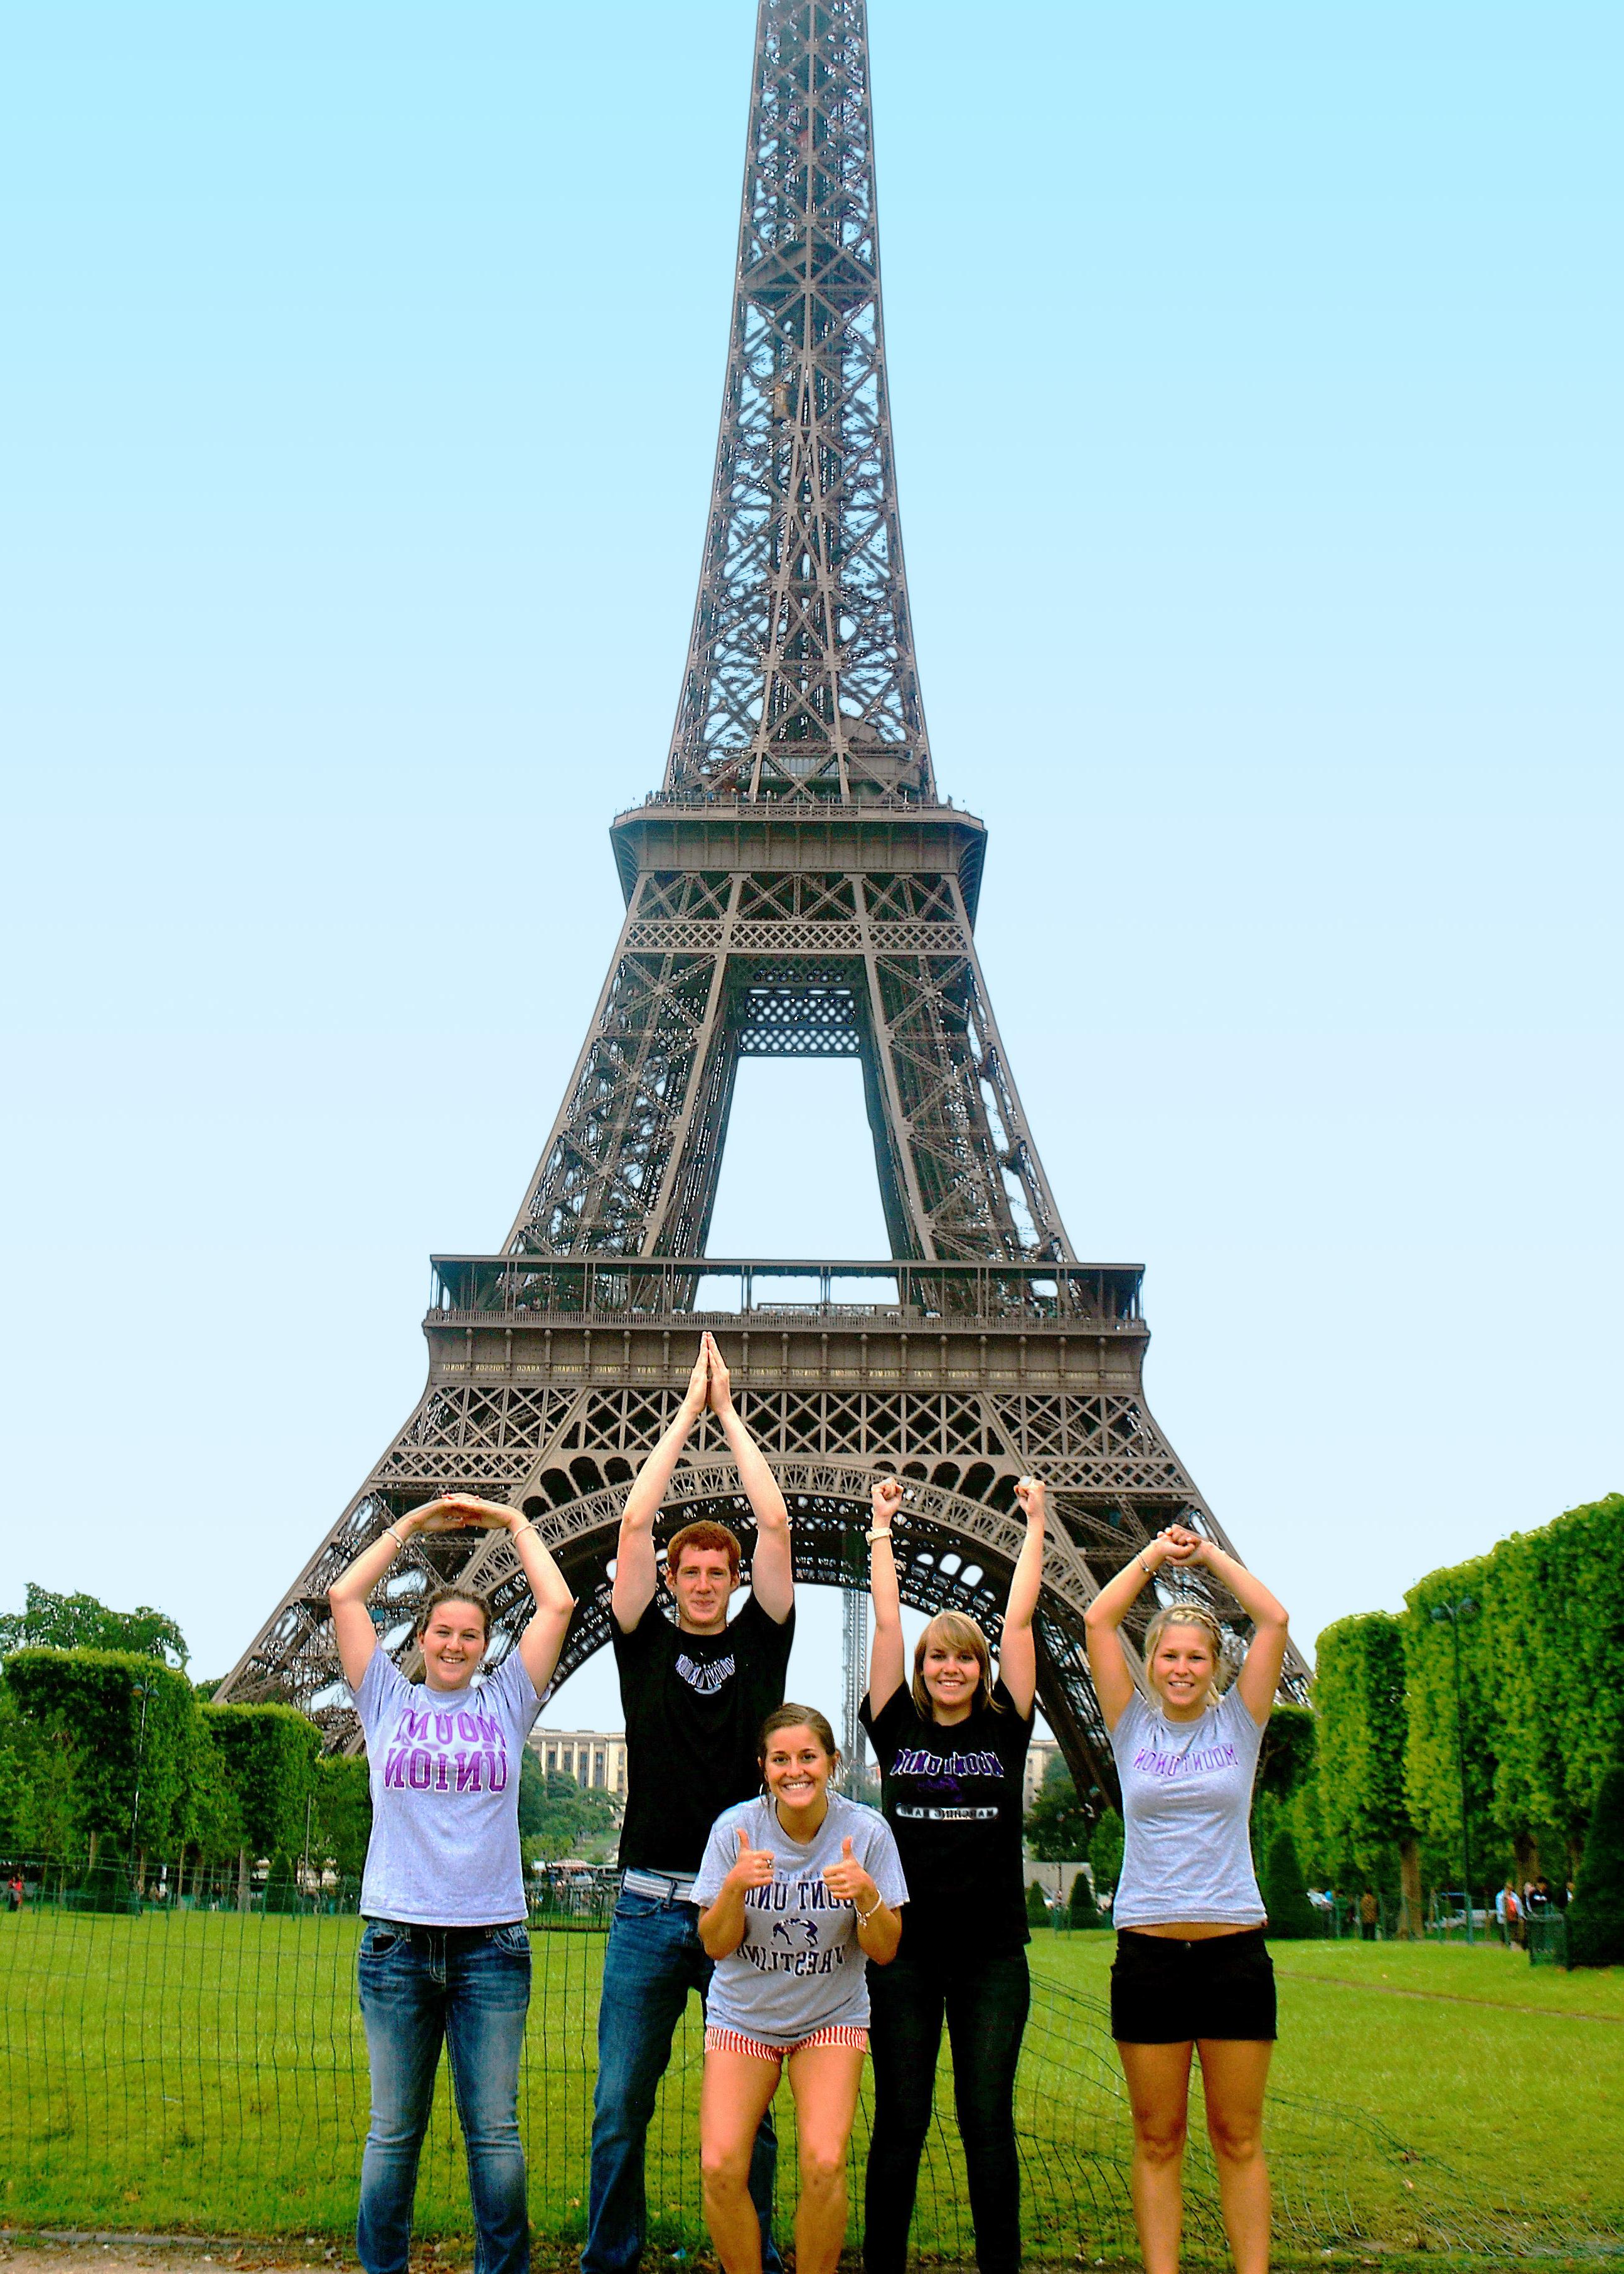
column 143, row 1691
column 1466, row 1608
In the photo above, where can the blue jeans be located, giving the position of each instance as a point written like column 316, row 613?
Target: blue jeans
column 471, row 1986
column 654, row 1959
column 984, row 2001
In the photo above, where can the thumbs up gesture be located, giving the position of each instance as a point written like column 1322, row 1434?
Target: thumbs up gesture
column 752, row 1866
column 847, row 1881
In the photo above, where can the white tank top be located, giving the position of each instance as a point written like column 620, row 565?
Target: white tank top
column 1186, row 1809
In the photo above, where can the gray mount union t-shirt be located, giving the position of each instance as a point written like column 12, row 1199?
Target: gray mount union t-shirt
column 801, row 1966
column 1186, row 1809
column 443, row 1766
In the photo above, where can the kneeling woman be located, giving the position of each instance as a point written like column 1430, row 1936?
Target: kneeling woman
column 797, row 1891
column 1191, row 1970
column 445, row 1953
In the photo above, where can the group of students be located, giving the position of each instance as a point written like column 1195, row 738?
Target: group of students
column 817, row 1932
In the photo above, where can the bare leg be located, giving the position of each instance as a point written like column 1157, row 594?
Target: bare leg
column 1159, row 2094
column 824, row 2080
column 1234, row 2072
column 734, row 2095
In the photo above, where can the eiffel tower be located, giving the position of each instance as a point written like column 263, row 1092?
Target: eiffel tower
column 795, row 887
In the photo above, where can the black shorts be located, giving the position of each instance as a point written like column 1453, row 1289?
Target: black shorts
column 1166, row 1993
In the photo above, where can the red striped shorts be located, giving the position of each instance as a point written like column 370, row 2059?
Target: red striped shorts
column 734, row 2041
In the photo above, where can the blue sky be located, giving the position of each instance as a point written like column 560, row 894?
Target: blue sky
column 1255, row 372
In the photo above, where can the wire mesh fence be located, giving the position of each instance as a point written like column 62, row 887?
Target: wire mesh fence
column 199, row 2063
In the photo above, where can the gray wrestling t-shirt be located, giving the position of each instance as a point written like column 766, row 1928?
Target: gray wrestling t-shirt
column 801, row 1966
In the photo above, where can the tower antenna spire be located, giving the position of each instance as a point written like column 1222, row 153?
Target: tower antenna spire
column 800, row 680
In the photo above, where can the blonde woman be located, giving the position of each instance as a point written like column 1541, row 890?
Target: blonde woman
column 952, row 1751
column 1192, row 1971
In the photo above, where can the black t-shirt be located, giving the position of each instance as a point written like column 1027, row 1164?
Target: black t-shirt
column 952, row 1796
column 694, row 1706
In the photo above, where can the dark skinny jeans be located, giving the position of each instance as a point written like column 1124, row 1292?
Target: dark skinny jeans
column 984, row 2001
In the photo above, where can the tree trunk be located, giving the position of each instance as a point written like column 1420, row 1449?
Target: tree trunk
column 90, row 1860
column 1410, row 1915
column 242, row 1878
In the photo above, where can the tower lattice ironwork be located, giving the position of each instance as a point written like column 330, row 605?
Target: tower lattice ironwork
column 797, row 888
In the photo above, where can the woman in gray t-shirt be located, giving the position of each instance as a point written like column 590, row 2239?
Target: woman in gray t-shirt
column 445, row 1955
column 799, row 1891
column 1191, row 1969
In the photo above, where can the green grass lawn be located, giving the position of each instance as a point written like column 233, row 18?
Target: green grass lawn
column 1481, row 2067
column 209, row 2072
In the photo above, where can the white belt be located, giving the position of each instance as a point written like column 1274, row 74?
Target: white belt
column 670, row 1887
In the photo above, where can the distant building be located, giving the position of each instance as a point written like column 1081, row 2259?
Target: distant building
column 1039, row 1755
column 595, row 1758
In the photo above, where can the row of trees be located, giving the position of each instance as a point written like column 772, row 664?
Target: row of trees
column 109, row 1756
column 113, row 1756
column 1538, row 1626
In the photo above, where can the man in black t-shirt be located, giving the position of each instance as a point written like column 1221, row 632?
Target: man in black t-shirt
column 694, row 1694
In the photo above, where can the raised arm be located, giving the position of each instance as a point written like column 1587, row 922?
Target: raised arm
column 1108, row 1664
column 635, row 1574
column 1017, row 1650
column 352, row 1623
column 772, row 1568
column 887, row 1662
column 1259, row 1678
column 542, row 1636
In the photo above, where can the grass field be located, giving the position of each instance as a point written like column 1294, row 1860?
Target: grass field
column 209, row 2072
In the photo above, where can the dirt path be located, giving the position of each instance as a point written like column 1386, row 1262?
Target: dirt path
column 186, row 2254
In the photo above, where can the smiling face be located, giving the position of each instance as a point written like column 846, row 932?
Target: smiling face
column 1182, row 1669
column 702, row 1582
column 952, row 1676
column 453, row 1645
column 796, row 1771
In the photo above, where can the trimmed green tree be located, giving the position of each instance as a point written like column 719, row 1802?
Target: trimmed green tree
column 1596, row 1915
column 1037, row 1910
column 214, row 1830
column 121, row 1728
column 343, row 1815
column 1105, row 1853
column 1084, row 1911
column 269, row 1753
column 1433, row 1755
column 1291, row 1916
column 1056, row 1826
column 1559, row 1663
column 1363, row 1729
